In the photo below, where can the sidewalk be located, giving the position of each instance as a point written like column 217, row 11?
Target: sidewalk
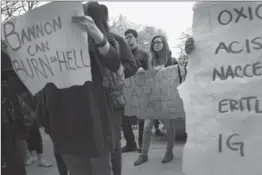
column 152, row 167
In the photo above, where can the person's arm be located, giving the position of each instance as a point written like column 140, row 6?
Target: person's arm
column 127, row 58
column 145, row 61
column 109, row 55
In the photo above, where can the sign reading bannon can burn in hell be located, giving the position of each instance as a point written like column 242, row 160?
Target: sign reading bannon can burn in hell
column 46, row 47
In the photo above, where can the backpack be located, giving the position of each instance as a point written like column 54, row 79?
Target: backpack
column 115, row 81
column 117, row 88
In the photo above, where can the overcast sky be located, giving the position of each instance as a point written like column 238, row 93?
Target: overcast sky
column 172, row 17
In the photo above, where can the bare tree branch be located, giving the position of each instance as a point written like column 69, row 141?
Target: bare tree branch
column 32, row 4
column 183, row 37
column 23, row 5
column 114, row 24
column 10, row 9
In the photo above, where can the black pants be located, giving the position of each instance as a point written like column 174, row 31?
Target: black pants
column 116, row 156
column 128, row 132
column 12, row 162
column 34, row 140
column 116, row 159
column 62, row 169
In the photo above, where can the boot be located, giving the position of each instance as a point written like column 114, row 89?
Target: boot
column 141, row 159
column 168, row 157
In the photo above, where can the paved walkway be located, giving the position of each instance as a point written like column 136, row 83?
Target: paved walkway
column 152, row 167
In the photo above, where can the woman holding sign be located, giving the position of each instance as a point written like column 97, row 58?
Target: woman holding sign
column 160, row 57
column 80, row 117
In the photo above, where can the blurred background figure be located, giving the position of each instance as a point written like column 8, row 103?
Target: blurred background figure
column 13, row 127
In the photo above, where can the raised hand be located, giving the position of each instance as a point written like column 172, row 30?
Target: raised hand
column 189, row 45
column 88, row 23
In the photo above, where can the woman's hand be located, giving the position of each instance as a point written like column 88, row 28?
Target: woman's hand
column 140, row 70
column 90, row 26
column 189, row 45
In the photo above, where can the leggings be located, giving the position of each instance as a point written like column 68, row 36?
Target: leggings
column 34, row 141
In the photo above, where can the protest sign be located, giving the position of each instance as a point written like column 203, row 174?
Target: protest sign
column 153, row 94
column 222, row 92
column 45, row 46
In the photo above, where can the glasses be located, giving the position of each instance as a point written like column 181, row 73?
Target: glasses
column 129, row 37
column 157, row 42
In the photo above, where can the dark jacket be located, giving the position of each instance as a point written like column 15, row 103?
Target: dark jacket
column 8, row 73
column 141, row 58
column 126, row 56
column 79, row 118
column 130, row 69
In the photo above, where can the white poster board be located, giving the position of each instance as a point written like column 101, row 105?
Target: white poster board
column 45, row 46
column 153, row 94
column 222, row 93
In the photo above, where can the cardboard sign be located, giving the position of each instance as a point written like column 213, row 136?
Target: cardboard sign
column 222, row 92
column 45, row 46
column 153, row 94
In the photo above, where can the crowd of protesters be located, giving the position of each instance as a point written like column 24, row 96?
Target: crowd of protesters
column 85, row 122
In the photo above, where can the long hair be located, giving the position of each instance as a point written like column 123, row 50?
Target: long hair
column 154, row 60
column 104, row 11
column 92, row 9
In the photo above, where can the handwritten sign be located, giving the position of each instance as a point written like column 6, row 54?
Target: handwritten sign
column 153, row 94
column 222, row 92
column 46, row 47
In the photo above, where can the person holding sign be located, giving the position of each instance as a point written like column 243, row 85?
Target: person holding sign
column 141, row 58
column 81, row 117
column 160, row 58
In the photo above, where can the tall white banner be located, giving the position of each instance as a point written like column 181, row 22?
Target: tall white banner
column 222, row 93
